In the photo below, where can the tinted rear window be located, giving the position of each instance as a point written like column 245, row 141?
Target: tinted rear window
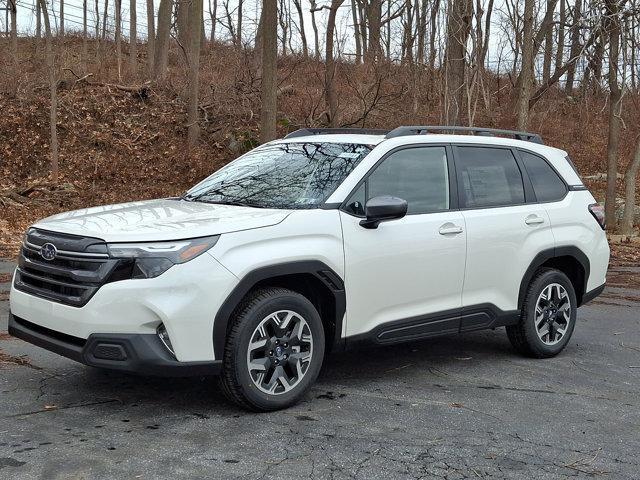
column 546, row 182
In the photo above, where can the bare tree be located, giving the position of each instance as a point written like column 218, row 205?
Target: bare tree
column 213, row 12
column 195, row 21
column 613, row 27
column 151, row 38
column 303, row 36
column 630, row 180
column 316, row 40
column 458, row 30
column 239, row 28
column 53, row 95
column 38, row 20
column 548, row 46
column 133, row 38
column 560, row 47
column 268, row 112
column 331, row 100
column 13, row 11
column 85, row 46
column 432, row 34
column 118, row 35
column 356, row 28
column 162, row 39
column 61, row 24
column 575, row 45
column 526, row 75
column 374, row 22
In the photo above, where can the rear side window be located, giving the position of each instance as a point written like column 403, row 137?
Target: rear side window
column 548, row 186
column 488, row 177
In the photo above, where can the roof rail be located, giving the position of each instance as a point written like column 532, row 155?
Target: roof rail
column 484, row 132
column 305, row 132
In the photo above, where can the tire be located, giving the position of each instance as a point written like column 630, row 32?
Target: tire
column 291, row 351
column 528, row 336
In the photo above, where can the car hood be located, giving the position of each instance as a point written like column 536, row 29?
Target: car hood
column 156, row 220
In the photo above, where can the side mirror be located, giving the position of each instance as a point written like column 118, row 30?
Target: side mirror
column 382, row 209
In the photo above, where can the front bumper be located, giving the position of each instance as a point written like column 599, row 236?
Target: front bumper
column 134, row 353
column 184, row 299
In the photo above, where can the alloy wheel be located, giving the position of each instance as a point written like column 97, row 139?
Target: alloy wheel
column 553, row 314
column 279, row 352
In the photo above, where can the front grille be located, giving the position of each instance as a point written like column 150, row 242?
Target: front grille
column 80, row 267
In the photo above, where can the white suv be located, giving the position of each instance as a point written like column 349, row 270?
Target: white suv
column 326, row 239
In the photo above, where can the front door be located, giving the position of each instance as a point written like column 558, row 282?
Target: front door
column 404, row 278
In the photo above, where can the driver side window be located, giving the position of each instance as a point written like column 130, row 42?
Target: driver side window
column 418, row 175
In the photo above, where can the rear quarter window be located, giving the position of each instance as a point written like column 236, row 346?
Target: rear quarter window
column 547, row 184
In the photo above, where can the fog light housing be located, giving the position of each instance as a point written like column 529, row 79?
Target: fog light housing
column 164, row 338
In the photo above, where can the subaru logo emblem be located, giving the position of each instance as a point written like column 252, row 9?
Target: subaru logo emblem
column 48, row 251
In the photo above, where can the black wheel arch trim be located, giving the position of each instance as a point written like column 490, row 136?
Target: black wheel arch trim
column 318, row 269
column 546, row 255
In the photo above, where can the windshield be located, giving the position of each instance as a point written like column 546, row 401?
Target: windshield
column 283, row 175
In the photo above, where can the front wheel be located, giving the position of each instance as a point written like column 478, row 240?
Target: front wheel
column 274, row 350
column 548, row 315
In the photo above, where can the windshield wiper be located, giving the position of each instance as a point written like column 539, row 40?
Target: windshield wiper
column 229, row 202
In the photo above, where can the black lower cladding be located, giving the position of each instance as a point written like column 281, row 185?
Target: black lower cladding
column 467, row 319
column 134, row 353
column 591, row 294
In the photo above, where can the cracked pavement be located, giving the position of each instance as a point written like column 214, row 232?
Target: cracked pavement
column 455, row 407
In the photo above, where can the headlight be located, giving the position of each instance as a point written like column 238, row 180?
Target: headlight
column 154, row 258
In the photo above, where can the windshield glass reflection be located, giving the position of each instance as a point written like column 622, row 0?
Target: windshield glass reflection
column 285, row 175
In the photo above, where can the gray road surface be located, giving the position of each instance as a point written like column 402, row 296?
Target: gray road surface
column 458, row 407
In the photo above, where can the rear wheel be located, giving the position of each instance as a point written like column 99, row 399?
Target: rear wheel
column 274, row 350
column 548, row 315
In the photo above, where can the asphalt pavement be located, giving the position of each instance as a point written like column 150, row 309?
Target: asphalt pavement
column 464, row 406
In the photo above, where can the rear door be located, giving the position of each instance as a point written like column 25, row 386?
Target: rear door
column 404, row 278
column 506, row 229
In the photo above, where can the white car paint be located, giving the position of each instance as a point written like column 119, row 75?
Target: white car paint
column 403, row 269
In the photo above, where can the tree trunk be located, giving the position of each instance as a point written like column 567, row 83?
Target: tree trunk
column 85, row 46
column 183, row 8
column 162, row 39
column 316, row 38
column 432, row 34
column 61, row 29
column 151, row 39
column 118, row 35
column 374, row 21
column 458, row 30
column 195, row 20
column 575, row 45
column 38, row 20
column 213, row 13
column 268, row 112
column 133, row 39
column 422, row 31
column 615, row 109
column 239, row 30
column 630, row 179
column 330, row 98
column 548, row 48
column 303, row 37
column 356, row 32
column 526, row 75
column 560, row 48
column 53, row 111
column 11, row 5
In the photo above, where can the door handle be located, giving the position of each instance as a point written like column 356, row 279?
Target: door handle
column 449, row 229
column 533, row 220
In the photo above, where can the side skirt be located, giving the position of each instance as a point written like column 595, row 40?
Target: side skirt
column 467, row 319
